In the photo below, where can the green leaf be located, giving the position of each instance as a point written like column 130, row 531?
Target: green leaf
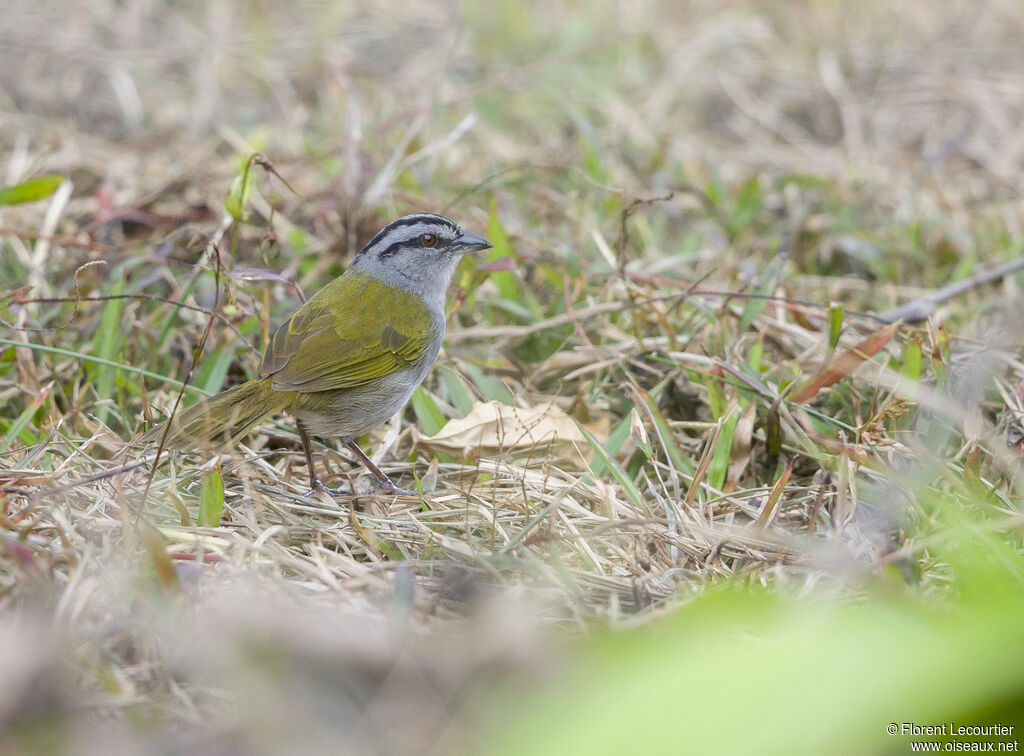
column 458, row 394
column 835, row 324
column 501, row 246
column 510, row 286
column 510, row 306
column 911, row 368
column 756, row 354
column 211, row 499
column 428, row 416
column 33, row 190
column 490, row 386
column 912, row 358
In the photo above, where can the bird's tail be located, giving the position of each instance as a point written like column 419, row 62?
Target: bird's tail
column 223, row 418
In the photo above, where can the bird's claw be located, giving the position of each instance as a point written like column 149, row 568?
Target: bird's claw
column 337, row 491
column 388, row 488
column 384, row 488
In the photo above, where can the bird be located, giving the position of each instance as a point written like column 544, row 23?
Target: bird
column 352, row 355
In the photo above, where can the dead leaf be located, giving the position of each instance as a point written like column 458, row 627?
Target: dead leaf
column 845, row 364
column 771, row 507
column 493, row 428
column 742, row 444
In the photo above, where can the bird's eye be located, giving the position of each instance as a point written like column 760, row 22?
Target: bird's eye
column 428, row 240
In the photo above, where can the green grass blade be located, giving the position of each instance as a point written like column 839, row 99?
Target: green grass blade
column 171, row 317
column 765, row 286
column 665, row 436
column 93, row 359
column 213, row 370
column 19, row 424
column 719, row 466
column 107, row 346
column 632, row 492
column 615, row 441
column 211, row 498
column 716, row 395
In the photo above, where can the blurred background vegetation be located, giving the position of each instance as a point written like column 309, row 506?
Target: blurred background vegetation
column 771, row 520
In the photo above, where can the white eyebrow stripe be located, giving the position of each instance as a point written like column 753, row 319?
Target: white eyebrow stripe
column 409, row 227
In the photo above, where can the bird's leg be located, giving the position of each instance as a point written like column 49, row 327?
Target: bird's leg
column 315, row 484
column 384, row 484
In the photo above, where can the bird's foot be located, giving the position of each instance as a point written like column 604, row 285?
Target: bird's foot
column 387, row 488
column 337, row 491
column 384, row 488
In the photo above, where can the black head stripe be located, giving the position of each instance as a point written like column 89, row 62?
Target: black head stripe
column 404, row 230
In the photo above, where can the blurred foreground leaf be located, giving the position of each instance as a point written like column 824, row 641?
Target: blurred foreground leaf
column 752, row 672
column 32, row 190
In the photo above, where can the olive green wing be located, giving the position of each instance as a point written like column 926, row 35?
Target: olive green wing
column 355, row 330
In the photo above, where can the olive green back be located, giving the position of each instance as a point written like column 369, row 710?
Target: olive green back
column 355, row 330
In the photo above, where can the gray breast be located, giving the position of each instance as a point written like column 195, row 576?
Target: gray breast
column 356, row 411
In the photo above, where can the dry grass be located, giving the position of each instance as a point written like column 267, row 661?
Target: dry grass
column 648, row 169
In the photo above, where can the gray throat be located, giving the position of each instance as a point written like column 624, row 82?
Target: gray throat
column 431, row 282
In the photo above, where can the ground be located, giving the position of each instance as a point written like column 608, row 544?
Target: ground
column 684, row 434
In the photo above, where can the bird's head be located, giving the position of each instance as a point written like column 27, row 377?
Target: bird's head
column 419, row 242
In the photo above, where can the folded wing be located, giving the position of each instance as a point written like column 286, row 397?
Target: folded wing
column 333, row 343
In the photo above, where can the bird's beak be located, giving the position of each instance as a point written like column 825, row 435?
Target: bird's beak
column 471, row 243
